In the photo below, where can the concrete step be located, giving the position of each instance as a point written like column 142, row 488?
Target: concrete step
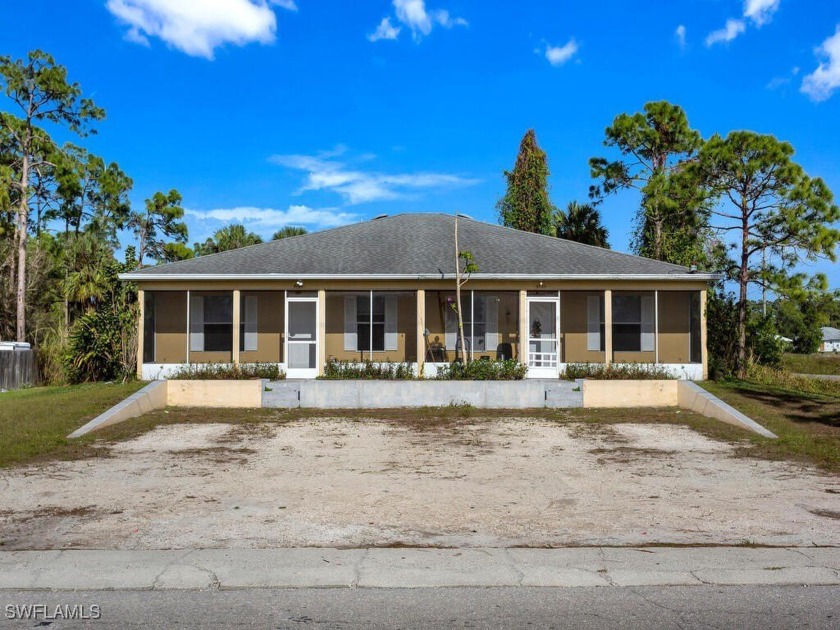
column 563, row 394
column 283, row 394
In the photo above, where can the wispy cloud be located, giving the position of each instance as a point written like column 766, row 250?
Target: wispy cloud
column 757, row 12
column 355, row 185
column 414, row 15
column 198, row 28
column 679, row 35
column 558, row 55
column 256, row 218
column 822, row 82
column 729, row 32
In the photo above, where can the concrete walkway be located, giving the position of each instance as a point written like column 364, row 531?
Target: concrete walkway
column 416, row 568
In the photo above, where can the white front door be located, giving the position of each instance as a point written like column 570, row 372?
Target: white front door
column 302, row 337
column 543, row 338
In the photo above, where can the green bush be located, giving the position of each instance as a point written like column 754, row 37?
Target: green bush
column 617, row 372
column 766, row 375
column 367, row 371
column 226, row 372
column 482, row 370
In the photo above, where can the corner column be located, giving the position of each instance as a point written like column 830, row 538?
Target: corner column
column 523, row 327
column 704, row 351
column 237, row 316
column 141, row 329
column 421, row 330
column 608, row 328
column 322, row 331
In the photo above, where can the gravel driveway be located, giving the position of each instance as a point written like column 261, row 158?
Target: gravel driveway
column 343, row 483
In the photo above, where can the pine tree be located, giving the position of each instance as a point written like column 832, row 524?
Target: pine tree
column 526, row 205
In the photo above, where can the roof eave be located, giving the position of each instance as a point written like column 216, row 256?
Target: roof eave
column 688, row 276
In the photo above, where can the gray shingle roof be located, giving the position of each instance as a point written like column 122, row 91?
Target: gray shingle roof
column 830, row 334
column 413, row 245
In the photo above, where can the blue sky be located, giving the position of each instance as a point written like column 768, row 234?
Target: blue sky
column 321, row 113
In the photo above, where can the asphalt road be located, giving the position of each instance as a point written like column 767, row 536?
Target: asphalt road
column 743, row 607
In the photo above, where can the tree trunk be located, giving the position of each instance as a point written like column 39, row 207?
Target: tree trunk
column 743, row 281
column 23, row 228
column 463, row 351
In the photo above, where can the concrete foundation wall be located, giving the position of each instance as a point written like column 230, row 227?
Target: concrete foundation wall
column 242, row 394
column 629, row 393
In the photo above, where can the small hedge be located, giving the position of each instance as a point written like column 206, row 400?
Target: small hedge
column 617, row 372
column 482, row 370
column 227, row 372
column 367, row 371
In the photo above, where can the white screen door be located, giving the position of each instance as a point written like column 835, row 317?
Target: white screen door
column 302, row 337
column 543, row 338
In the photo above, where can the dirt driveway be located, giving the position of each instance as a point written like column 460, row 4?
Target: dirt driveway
column 344, row 482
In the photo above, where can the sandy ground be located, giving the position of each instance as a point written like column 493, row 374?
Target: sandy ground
column 344, row 483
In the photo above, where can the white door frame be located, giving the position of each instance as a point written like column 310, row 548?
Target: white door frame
column 302, row 372
column 554, row 370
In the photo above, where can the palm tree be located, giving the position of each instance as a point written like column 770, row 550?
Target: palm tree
column 581, row 223
column 286, row 232
column 229, row 237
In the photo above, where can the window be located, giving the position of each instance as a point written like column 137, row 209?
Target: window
column 370, row 330
column 211, row 323
column 148, row 327
column 633, row 323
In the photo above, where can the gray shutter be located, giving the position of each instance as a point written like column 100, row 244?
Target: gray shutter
column 250, row 322
column 593, row 322
column 390, row 322
column 196, row 323
column 648, row 341
column 491, row 316
column 350, row 334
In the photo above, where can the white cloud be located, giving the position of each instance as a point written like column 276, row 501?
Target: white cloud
column 760, row 11
column 198, row 27
column 325, row 172
column 729, row 32
column 821, row 83
column 679, row 34
column 385, row 30
column 558, row 55
column 270, row 218
column 413, row 15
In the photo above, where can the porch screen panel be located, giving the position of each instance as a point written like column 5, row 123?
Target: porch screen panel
column 648, row 342
column 350, row 332
column 491, row 316
column 391, row 322
column 249, row 324
column 593, row 322
column 197, row 323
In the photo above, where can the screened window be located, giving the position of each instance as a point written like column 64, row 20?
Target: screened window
column 370, row 322
column 211, row 323
column 367, row 322
column 633, row 323
column 148, row 327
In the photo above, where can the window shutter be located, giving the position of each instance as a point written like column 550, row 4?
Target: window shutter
column 450, row 320
column 197, row 323
column 250, row 322
column 491, row 315
column 648, row 340
column 350, row 334
column 593, row 322
column 391, row 322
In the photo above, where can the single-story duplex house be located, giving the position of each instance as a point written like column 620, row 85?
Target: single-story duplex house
column 830, row 339
column 383, row 290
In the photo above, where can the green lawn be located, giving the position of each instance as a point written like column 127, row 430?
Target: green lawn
column 34, row 422
column 808, row 425
column 819, row 363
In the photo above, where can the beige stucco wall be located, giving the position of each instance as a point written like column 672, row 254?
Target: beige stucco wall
column 170, row 327
column 629, row 393
column 674, row 326
column 270, row 328
column 244, row 394
column 573, row 328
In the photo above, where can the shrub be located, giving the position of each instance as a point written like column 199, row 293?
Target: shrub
column 223, row 371
column 482, row 370
column 766, row 375
column 367, row 370
column 617, row 372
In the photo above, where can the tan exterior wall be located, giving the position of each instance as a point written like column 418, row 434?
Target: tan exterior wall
column 170, row 327
column 243, row 394
column 270, row 328
column 573, row 329
column 634, row 357
column 629, row 393
column 406, row 332
column 674, row 326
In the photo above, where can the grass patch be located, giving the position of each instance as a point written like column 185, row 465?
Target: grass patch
column 36, row 421
column 818, row 363
column 782, row 379
column 808, row 425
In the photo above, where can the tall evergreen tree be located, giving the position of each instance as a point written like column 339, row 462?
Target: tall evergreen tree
column 160, row 220
column 581, row 223
column 526, row 204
